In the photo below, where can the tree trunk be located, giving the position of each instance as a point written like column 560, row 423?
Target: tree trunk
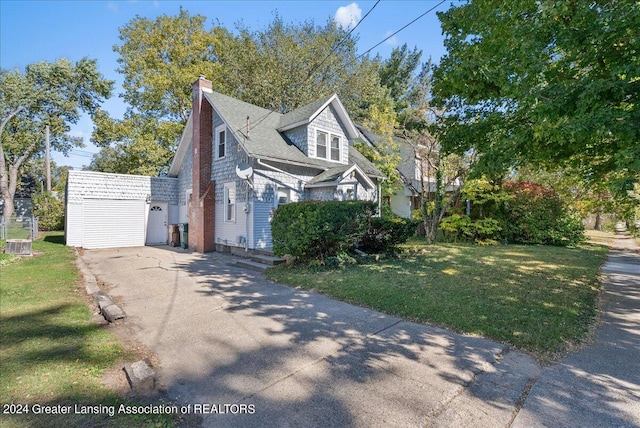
column 598, row 225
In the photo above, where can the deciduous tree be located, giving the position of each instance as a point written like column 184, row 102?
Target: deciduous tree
column 52, row 94
column 541, row 82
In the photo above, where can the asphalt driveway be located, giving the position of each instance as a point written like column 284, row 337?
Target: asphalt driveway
column 224, row 335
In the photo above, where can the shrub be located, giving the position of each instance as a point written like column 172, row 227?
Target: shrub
column 536, row 215
column 314, row 230
column 461, row 227
column 49, row 210
column 382, row 234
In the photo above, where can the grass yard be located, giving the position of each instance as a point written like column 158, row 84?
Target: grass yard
column 50, row 351
column 540, row 299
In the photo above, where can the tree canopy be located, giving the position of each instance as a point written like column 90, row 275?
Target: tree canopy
column 280, row 67
column 53, row 94
column 542, row 83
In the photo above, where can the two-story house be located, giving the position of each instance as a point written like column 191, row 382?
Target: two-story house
column 237, row 162
column 234, row 165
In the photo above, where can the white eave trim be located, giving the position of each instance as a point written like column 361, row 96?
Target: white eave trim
column 352, row 131
column 185, row 139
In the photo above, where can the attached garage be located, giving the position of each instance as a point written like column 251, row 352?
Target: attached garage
column 113, row 210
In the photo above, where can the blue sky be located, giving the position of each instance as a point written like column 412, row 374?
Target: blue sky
column 33, row 31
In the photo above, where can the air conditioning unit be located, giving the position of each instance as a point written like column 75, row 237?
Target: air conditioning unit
column 20, row 247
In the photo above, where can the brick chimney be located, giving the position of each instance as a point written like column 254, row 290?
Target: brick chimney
column 201, row 215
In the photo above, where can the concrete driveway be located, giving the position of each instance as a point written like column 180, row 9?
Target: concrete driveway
column 223, row 335
column 226, row 336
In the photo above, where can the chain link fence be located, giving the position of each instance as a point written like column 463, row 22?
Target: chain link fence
column 17, row 234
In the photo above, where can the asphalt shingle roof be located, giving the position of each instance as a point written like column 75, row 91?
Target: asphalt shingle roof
column 265, row 142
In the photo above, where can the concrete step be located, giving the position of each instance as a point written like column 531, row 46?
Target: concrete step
column 267, row 260
column 250, row 264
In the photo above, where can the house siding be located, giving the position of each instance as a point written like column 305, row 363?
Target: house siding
column 299, row 138
column 185, row 183
column 223, row 173
column 83, row 219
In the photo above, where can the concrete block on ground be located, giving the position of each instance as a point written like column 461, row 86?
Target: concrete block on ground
column 102, row 299
column 112, row 313
column 141, row 377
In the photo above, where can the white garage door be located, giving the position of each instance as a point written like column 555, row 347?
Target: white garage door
column 109, row 223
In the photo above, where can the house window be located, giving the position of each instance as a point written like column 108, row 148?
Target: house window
column 335, row 148
column 230, row 202
column 283, row 196
column 327, row 146
column 321, row 145
column 221, row 141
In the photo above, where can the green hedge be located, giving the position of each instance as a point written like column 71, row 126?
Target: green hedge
column 49, row 210
column 382, row 234
column 315, row 230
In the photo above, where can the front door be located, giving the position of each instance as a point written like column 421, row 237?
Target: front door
column 157, row 223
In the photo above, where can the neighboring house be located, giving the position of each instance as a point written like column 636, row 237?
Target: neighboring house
column 306, row 154
column 22, row 203
column 415, row 174
column 235, row 164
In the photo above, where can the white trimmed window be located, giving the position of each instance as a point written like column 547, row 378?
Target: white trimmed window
column 221, row 141
column 335, row 148
column 230, row 202
column 328, row 146
column 321, row 145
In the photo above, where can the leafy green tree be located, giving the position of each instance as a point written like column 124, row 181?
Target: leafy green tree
column 398, row 75
column 52, row 94
column 541, row 82
column 281, row 67
column 159, row 59
column 288, row 65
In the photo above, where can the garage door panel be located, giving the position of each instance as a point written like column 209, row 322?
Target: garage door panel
column 109, row 223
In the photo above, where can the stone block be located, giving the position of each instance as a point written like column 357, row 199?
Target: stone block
column 102, row 299
column 141, row 377
column 112, row 313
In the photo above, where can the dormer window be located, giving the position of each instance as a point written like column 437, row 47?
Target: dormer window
column 327, row 146
column 321, row 145
column 335, row 148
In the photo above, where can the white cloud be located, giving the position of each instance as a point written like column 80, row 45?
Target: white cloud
column 393, row 41
column 112, row 6
column 348, row 16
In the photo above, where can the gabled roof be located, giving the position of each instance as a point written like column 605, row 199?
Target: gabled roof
column 335, row 176
column 306, row 114
column 261, row 137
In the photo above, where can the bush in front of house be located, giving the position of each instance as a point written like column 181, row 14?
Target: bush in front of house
column 535, row 214
column 458, row 227
column 383, row 234
column 49, row 210
column 313, row 230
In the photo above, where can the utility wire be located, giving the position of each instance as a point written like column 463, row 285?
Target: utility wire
column 390, row 36
column 315, row 69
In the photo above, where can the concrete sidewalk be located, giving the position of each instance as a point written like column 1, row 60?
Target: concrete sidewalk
column 226, row 336
column 600, row 385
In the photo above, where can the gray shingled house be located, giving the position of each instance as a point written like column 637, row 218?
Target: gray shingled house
column 237, row 162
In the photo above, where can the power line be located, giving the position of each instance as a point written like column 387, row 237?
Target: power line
column 313, row 71
column 390, row 36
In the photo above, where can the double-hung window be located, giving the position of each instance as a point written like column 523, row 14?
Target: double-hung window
column 328, row 146
column 335, row 148
column 230, row 202
column 321, row 145
column 221, row 141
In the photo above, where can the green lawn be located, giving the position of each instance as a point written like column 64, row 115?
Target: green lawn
column 538, row 298
column 50, row 351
